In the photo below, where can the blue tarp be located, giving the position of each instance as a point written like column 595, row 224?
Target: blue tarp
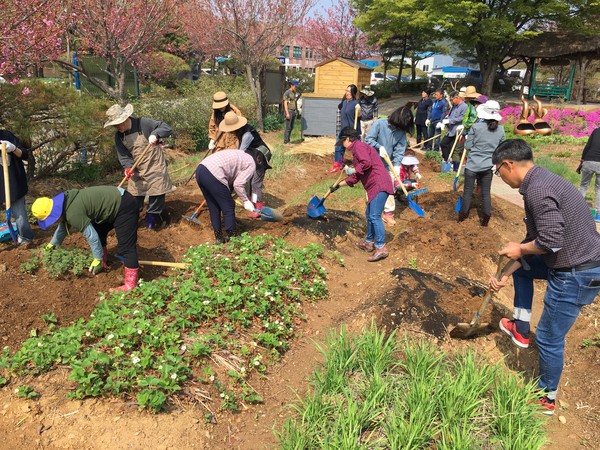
column 369, row 62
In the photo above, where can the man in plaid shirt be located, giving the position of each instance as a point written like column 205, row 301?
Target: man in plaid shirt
column 562, row 246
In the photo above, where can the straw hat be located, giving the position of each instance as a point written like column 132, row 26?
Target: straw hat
column 220, row 100
column 471, row 92
column 117, row 114
column 490, row 110
column 232, row 122
column 367, row 91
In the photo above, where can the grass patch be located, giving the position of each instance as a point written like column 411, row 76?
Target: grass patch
column 231, row 313
column 375, row 392
column 559, row 168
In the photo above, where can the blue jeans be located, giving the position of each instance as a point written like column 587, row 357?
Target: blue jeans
column 435, row 144
column 19, row 213
column 566, row 293
column 375, row 228
column 339, row 151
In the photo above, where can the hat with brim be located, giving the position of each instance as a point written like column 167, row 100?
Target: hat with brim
column 118, row 114
column 347, row 132
column 489, row 110
column 409, row 161
column 471, row 92
column 232, row 122
column 48, row 210
column 220, row 100
column 367, row 91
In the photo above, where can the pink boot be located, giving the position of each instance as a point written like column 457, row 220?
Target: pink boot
column 131, row 279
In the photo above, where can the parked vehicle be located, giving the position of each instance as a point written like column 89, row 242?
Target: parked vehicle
column 376, row 77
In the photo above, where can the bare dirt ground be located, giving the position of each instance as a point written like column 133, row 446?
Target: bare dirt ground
column 433, row 278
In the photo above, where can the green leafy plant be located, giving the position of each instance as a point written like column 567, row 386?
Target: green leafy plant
column 593, row 342
column 412, row 263
column 60, row 261
column 26, row 392
column 433, row 156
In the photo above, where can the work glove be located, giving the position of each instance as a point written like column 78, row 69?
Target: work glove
column 382, row 151
column 427, row 123
column 211, row 144
column 49, row 247
column 96, row 267
column 334, row 188
column 445, row 121
column 249, row 206
column 10, row 147
column 460, row 128
column 152, row 139
column 128, row 173
column 578, row 170
column 418, row 176
column 440, row 126
column 349, row 170
column 397, row 170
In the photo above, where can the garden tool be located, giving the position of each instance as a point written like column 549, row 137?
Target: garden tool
column 208, row 152
column 411, row 203
column 466, row 330
column 356, row 113
column 447, row 165
column 174, row 265
column 455, row 183
column 192, row 218
column 427, row 140
column 315, row 206
column 267, row 214
column 13, row 233
column 136, row 163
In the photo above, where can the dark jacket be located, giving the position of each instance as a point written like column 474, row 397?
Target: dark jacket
column 591, row 151
column 423, row 108
column 16, row 169
column 368, row 107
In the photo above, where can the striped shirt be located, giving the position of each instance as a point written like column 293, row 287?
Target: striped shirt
column 370, row 170
column 232, row 168
column 559, row 220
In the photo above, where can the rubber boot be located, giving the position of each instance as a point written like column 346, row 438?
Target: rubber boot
column 485, row 220
column 219, row 238
column 462, row 217
column 152, row 221
column 131, row 279
column 165, row 218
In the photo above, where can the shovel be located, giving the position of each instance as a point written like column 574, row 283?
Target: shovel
column 192, row 218
column 315, row 206
column 427, row 140
column 455, row 184
column 266, row 214
column 136, row 163
column 447, row 165
column 12, row 232
column 411, row 203
column 466, row 330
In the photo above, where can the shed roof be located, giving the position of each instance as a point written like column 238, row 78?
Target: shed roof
column 554, row 44
column 350, row 62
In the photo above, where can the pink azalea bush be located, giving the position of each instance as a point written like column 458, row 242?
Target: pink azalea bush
column 564, row 121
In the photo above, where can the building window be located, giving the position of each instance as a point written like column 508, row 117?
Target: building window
column 285, row 51
column 425, row 67
column 311, row 54
column 306, row 53
column 297, row 52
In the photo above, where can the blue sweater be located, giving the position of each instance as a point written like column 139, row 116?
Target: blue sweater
column 394, row 140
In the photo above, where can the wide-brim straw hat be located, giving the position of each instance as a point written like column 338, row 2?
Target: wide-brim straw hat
column 471, row 92
column 118, row 114
column 232, row 122
column 220, row 100
column 489, row 110
column 367, row 91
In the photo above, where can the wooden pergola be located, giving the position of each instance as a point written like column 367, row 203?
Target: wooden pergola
column 557, row 48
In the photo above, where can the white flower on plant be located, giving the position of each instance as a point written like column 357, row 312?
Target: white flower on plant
column 110, row 336
column 139, row 332
column 40, row 344
column 173, row 376
column 183, row 348
column 206, row 302
column 135, row 360
column 254, row 344
column 222, row 395
column 160, row 367
column 256, row 362
column 243, row 369
column 88, row 334
column 267, row 293
column 212, row 378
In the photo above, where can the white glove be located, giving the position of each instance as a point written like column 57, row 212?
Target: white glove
column 446, row 121
column 249, row 206
column 459, row 128
column 427, row 123
column 382, row 151
column 357, row 106
column 10, row 147
column 349, row 170
column 439, row 125
column 211, row 144
column 418, row 176
column 397, row 170
column 152, row 139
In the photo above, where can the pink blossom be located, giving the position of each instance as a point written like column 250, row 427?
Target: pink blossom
column 26, row 91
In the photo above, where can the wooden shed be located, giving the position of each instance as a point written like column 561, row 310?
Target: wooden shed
column 332, row 76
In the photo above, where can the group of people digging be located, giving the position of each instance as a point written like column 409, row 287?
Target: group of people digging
column 561, row 244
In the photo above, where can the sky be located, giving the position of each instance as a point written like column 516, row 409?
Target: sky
column 321, row 5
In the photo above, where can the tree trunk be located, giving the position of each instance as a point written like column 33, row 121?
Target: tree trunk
column 583, row 62
column 488, row 75
column 399, row 79
column 254, row 82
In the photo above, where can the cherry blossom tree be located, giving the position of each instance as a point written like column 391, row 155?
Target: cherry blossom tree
column 252, row 31
column 333, row 33
column 120, row 32
column 31, row 34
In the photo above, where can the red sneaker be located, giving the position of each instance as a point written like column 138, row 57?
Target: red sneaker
column 336, row 167
column 546, row 405
column 509, row 327
column 388, row 217
column 259, row 205
column 254, row 215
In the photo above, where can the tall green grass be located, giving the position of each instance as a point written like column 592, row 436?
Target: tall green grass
column 374, row 391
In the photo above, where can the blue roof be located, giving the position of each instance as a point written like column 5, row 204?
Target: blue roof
column 425, row 54
column 369, row 62
column 452, row 69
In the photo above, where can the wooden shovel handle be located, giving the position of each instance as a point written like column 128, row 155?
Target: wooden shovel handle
column 462, row 160
column 454, row 146
column 427, row 140
column 136, row 163
column 356, row 111
column 338, row 181
column 389, row 163
column 175, row 265
column 6, row 179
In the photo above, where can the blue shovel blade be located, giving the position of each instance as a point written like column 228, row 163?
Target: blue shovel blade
column 446, row 167
column 315, row 207
column 458, row 205
column 415, row 207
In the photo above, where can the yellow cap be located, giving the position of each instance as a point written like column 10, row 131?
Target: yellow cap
column 42, row 208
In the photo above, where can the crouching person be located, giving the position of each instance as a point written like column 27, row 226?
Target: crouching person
column 95, row 211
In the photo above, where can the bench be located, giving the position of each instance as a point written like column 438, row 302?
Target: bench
column 546, row 90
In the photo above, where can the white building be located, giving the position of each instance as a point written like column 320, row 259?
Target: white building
column 434, row 61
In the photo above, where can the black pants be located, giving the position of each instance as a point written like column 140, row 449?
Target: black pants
column 218, row 198
column 125, row 226
column 446, row 146
column 484, row 180
column 422, row 132
column 289, row 126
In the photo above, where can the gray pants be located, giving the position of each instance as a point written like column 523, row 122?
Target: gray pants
column 588, row 169
column 289, row 126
